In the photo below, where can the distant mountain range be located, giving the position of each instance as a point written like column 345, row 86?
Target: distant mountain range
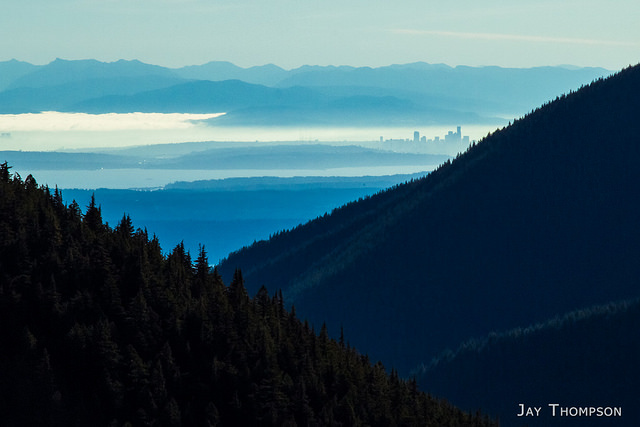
column 536, row 220
column 408, row 94
column 524, row 248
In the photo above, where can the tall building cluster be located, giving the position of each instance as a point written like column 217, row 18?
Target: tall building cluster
column 453, row 137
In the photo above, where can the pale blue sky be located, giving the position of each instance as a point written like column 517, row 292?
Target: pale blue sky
column 290, row 33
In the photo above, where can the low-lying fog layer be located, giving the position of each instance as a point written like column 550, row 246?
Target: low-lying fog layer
column 247, row 151
column 111, row 133
column 55, row 121
column 55, row 131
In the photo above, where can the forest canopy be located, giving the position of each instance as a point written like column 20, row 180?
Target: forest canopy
column 98, row 327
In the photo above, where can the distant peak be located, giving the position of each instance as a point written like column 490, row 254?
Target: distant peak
column 58, row 61
column 15, row 61
column 128, row 61
column 267, row 67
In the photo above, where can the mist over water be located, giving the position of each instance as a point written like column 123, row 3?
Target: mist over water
column 111, row 133
column 150, row 179
column 58, row 121
column 50, row 131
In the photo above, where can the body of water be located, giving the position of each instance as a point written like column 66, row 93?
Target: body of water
column 54, row 131
column 220, row 232
column 155, row 178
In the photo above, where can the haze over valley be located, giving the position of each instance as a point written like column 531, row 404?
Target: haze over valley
column 126, row 124
column 423, row 210
column 409, row 213
column 89, row 125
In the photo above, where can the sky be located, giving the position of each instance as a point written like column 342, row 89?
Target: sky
column 291, row 33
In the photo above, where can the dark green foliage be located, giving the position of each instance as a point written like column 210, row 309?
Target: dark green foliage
column 98, row 328
column 539, row 218
column 587, row 358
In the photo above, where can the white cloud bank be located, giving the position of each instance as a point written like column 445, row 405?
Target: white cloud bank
column 53, row 121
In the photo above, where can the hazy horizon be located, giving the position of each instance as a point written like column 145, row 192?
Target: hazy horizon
column 249, row 65
column 56, row 131
column 175, row 33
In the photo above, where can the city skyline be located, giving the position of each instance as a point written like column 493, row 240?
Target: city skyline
column 451, row 138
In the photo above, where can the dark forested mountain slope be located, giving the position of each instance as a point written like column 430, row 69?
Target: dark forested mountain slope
column 97, row 327
column 538, row 219
column 585, row 358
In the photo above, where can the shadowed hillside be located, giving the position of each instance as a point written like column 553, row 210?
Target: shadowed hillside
column 97, row 327
column 593, row 363
column 538, row 219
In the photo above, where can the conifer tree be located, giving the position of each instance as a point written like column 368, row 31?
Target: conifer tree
column 98, row 327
